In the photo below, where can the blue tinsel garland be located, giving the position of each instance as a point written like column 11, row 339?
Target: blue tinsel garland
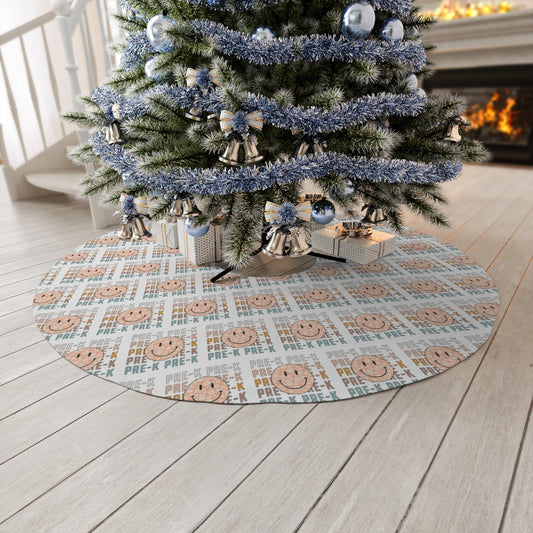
column 137, row 49
column 216, row 181
column 310, row 121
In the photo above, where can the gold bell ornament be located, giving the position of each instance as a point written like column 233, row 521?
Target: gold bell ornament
column 113, row 134
column 231, row 155
column 373, row 215
column 176, row 208
column 299, row 242
column 276, row 246
column 139, row 229
column 126, row 231
column 251, row 154
column 189, row 209
column 452, row 133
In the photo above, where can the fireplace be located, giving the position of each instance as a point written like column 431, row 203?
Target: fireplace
column 500, row 107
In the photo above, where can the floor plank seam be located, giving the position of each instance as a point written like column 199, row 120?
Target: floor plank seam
column 30, row 371
column 167, row 468
column 197, row 526
column 63, row 427
column 459, row 405
column 345, row 462
column 21, row 348
column 89, row 462
column 515, row 468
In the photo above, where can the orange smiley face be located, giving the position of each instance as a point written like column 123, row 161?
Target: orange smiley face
column 318, row 296
column 443, row 357
column 134, row 316
column 464, row 260
column 171, row 285
column 262, row 301
column 145, row 268
column 292, row 379
column 479, row 282
column 85, row 358
column 373, row 322
column 308, row 330
column 112, row 291
column 128, row 252
column 375, row 268
column 61, row 324
column 488, row 309
column 435, row 316
column 165, row 348
column 171, row 251
column 327, row 271
column 228, row 280
column 372, row 368
column 424, row 285
column 75, row 256
column 417, row 246
column 108, row 240
column 421, row 264
column 95, row 272
column 239, row 337
column 201, row 308
column 46, row 298
column 373, row 291
column 209, row 389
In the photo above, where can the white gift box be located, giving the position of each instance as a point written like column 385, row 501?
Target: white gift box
column 361, row 250
column 201, row 250
column 166, row 233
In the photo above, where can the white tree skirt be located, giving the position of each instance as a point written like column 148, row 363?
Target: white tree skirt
column 142, row 316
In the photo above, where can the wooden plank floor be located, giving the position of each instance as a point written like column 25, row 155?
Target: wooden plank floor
column 450, row 454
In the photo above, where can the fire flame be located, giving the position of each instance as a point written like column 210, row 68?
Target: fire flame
column 452, row 9
column 496, row 115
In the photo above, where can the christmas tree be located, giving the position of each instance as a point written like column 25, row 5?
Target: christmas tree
column 229, row 104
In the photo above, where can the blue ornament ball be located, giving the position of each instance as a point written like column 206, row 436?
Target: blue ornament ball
column 263, row 34
column 155, row 32
column 392, row 30
column 347, row 188
column 420, row 92
column 412, row 83
column 194, row 229
column 358, row 20
column 150, row 70
column 412, row 33
column 323, row 211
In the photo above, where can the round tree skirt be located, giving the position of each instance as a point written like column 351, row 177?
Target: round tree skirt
column 142, row 316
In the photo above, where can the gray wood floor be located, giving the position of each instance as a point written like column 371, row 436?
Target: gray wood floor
column 450, row 454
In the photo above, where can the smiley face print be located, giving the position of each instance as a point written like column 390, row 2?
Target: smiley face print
column 128, row 252
column 112, row 291
column 85, row 358
column 443, row 357
column 375, row 268
column 478, row 282
column 308, row 330
column 372, row 368
column 134, row 316
column 373, row 322
column 373, row 291
column 490, row 310
column 61, row 324
column 46, row 298
column 171, row 285
column 165, row 348
column 75, row 256
column 201, row 308
column 262, row 301
column 228, row 280
column 171, row 251
column 327, row 271
column 463, row 260
column 105, row 241
column 239, row 337
column 318, row 296
column 209, row 389
column 146, row 268
column 435, row 316
column 421, row 264
column 292, row 379
column 424, row 285
column 95, row 272
column 416, row 246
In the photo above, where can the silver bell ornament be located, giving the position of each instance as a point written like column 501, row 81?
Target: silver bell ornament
column 189, row 210
column 392, row 30
column 139, row 229
column 373, row 215
column 277, row 242
column 113, row 134
column 251, row 154
column 452, row 133
column 176, row 208
column 299, row 242
column 323, row 211
column 318, row 148
column 195, row 114
column 155, row 31
column 196, row 230
column 358, row 20
column 231, row 154
column 126, row 231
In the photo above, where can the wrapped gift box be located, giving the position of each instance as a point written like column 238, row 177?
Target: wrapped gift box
column 166, row 233
column 358, row 249
column 201, row 250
